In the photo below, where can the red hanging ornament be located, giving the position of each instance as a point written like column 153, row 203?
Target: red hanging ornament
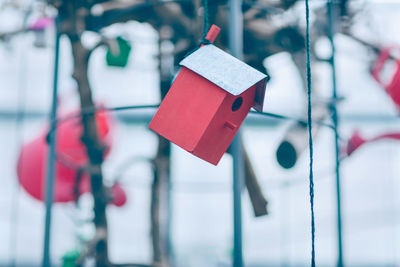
column 356, row 140
column 70, row 161
column 386, row 71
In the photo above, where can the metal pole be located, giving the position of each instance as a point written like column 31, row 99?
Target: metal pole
column 238, row 178
column 331, row 15
column 49, row 185
column 236, row 47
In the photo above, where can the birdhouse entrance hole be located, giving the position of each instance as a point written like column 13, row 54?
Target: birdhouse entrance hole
column 237, row 103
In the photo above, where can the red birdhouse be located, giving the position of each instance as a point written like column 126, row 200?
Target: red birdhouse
column 208, row 101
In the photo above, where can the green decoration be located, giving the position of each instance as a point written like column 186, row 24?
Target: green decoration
column 70, row 258
column 120, row 57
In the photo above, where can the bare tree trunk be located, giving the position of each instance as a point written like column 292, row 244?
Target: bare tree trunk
column 160, row 190
column 94, row 149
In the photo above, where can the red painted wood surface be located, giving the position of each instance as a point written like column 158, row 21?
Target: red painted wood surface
column 213, row 33
column 197, row 116
column 187, row 109
column 218, row 136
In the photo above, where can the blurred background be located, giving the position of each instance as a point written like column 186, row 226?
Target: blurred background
column 200, row 215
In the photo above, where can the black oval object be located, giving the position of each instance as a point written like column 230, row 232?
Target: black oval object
column 237, row 103
column 286, row 155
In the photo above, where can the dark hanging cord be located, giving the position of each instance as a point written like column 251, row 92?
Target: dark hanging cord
column 332, row 13
column 94, row 109
column 301, row 121
column 310, row 140
column 204, row 41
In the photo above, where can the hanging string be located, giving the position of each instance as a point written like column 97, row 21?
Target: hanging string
column 94, row 109
column 310, row 140
column 206, row 26
column 335, row 120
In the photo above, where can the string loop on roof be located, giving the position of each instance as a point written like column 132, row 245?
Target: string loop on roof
column 206, row 26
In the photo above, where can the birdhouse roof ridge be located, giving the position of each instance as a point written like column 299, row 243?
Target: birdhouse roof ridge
column 224, row 70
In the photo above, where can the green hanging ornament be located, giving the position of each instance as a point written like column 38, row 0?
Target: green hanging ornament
column 69, row 258
column 119, row 58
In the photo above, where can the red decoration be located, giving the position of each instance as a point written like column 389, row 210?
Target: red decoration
column 356, row 140
column 391, row 83
column 354, row 143
column 71, row 154
column 208, row 101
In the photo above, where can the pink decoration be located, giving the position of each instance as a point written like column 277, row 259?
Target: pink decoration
column 41, row 24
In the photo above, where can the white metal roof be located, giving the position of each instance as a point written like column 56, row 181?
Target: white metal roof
column 226, row 71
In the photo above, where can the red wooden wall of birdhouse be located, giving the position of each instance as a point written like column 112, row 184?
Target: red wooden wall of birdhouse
column 224, row 126
column 198, row 116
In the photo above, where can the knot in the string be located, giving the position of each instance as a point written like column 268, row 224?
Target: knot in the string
column 205, row 41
